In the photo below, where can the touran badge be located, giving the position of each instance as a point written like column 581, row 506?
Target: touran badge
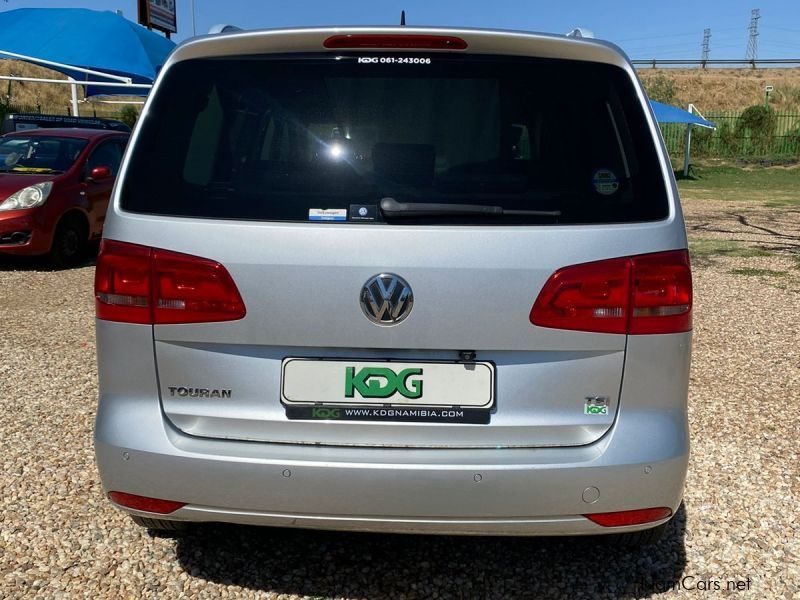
column 386, row 299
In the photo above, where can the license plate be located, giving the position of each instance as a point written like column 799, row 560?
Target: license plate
column 321, row 389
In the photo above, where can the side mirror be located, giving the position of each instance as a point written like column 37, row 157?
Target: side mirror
column 100, row 173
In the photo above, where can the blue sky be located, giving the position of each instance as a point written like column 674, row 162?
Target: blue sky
column 645, row 29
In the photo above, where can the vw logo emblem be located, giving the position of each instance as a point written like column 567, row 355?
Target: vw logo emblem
column 386, row 299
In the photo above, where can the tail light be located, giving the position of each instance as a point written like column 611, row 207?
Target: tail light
column 649, row 293
column 139, row 284
column 661, row 293
column 630, row 517
column 122, row 283
column 429, row 42
column 153, row 505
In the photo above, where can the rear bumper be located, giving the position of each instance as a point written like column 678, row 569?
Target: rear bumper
column 499, row 492
column 639, row 463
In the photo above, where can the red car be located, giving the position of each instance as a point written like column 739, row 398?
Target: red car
column 55, row 185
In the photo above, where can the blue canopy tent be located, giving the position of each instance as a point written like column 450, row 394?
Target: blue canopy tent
column 92, row 47
column 672, row 114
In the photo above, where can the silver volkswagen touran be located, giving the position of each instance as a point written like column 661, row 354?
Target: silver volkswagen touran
column 396, row 279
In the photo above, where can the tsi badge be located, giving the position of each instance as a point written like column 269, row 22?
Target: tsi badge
column 596, row 405
column 381, row 382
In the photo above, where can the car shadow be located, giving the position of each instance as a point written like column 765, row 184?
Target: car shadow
column 41, row 263
column 326, row 564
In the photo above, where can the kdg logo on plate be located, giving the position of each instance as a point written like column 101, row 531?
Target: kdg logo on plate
column 382, row 382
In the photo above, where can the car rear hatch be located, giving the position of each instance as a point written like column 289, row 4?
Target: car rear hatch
column 357, row 300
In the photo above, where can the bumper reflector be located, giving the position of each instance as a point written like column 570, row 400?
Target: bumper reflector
column 630, row 517
column 153, row 505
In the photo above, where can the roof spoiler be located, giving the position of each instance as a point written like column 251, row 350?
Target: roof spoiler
column 580, row 32
column 223, row 28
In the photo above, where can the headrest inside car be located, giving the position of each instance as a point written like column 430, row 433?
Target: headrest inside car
column 409, row 164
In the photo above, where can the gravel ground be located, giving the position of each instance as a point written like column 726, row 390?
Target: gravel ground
column 60, row 538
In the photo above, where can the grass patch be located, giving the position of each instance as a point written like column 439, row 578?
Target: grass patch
column 748, row 271
column 705, row 248
column 782, row 202
column 777, row 186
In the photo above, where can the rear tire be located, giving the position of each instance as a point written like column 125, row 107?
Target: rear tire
column 69, row 241
column 639, row 539
column 158, row 524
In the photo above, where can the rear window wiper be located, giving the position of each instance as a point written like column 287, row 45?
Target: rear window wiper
column 392, row 208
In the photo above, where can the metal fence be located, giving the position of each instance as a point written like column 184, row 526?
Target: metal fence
column 731, row 62
column 731, row 140
column 109, row 111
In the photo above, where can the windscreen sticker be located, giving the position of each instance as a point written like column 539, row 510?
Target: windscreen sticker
column 327, row 214
column 394, row 60
column 363, row 212
column 605, row 182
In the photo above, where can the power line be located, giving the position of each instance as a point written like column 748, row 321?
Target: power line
column 793, row 45
column 658, row 37
column 671, row 35
column 782, row 29
column 726, row 46
column 728, row 42
column 686, row 46
column 752, row 41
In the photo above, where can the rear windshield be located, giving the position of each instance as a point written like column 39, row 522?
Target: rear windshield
column 396, row 138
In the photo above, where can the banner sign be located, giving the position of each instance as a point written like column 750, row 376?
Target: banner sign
column 158, row 14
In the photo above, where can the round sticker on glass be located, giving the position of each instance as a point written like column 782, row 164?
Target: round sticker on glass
column 605, row 182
